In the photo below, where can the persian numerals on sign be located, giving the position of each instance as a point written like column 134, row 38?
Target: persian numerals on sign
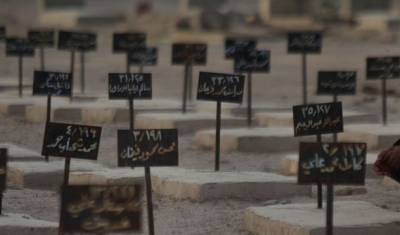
column 101, row 209
column 252, row 61
column 19, row 47
column 237, row 45
column 148, row 148
column 379, row 67
column 343, row 83
column 143, row 57
column 129, row 86
column 317, row 119
column 43, row 38
column 74, row 141
column 58, row 84
column 223, row 87
column 305, row 42
column 195, row 54
column 3, row 169
column 124, row 42
column 3, row 34
column 335, row 163
column 76, row 41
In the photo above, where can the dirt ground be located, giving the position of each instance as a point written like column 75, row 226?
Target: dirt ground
column 280, row 87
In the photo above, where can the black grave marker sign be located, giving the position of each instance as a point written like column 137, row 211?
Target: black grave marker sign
column 43, row 38
column 129, row 86
column 184, row 53
column 54, row 83
column 143, row 57
column 379, row 67
column 305, row 42
column 223, row 87
column 3, row 170
column 252, row 61
column 332, row 163
column 332, row 82
column 317, row 119
column 148, row 147
column 101, row 209
column 71, row 141
column 124, row 42
column 19, row 47
column 3, row 35
column 238, row 45
column 77, row 41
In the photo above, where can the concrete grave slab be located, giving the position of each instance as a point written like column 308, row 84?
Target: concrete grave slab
column 44, row 174
column 350, row 218
column 18, row 154
column 289, row 164
column 20, row 224
column 186, row 124
column 118, row 176
column 195, row 185
column 376, row 136
column 259, row 140
column 239, row 110
column 285, row 119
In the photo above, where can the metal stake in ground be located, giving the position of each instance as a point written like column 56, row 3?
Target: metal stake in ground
column 20, row 75
column 218, row 135
column 48, row 115
column 329, row 210
column 319, row 185
column 65, row 183
column 190, row 82
column 131, row 115
column 128, row 66
column 384, row 105
column 149, row 198
column 185, row 87
column 82, row 72
column 304, row 61
column 249, row 114
column 41, row 50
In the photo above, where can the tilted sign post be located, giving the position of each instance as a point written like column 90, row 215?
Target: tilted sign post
column 19, row 47
column 251, row 62
column 147, row 148
column 129, row 87
column 220, row 88
column 332, row 164
column 188, row 54
column 316, row 120
column 49, row 84
column 101, row 209
column 77, row 41
column 42, row 39
column 127, row 42
column 3, row 175
column 304, row 43
column 383, row 68
column 143, row 57
column 336, row 83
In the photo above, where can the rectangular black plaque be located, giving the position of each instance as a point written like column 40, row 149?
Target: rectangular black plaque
column 183, row 53
column 124, row 42
column 129, row 86
column 143, row 57
column 58, row 84
column 340, row 83
column 305, row 42
column 73, row 141
column 44, row 38
column 148, row 147
column 77, row 41
column 379, row 67
column 3, row 34
column 223, row 87
column 336, row 163
column 252, row 61
column 101, row 209
column 238, row 45
column 19, row 47
column 3, row 169
column 317, row 119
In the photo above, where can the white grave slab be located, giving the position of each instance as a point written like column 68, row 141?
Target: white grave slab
column 20, row 224
column 117, row 176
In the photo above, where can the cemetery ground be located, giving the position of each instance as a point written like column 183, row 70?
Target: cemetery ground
column 279, row 89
